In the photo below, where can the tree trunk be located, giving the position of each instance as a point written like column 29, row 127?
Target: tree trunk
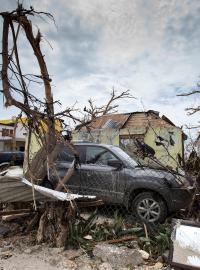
column 54, row 223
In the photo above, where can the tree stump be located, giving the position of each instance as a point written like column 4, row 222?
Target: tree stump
column 54, row 223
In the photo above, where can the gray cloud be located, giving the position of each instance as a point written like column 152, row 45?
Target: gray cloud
column 184, row 34
column 149, row 46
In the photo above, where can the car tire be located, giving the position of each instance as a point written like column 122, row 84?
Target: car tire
column 149, row 207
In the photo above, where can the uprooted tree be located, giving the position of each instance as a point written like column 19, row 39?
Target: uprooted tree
column 40, row 113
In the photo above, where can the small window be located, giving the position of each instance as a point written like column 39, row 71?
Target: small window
column 5, row 132
column 98, row 155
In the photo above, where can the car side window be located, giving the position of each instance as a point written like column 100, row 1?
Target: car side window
column 67, row 155
column 98, row 155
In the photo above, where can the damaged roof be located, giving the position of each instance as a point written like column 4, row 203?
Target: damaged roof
column 120, row 120
column 131, row 120
column 103, row 122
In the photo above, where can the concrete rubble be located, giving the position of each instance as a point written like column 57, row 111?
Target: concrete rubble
column 118, row 257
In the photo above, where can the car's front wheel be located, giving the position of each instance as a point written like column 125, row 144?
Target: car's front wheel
column 149, row 207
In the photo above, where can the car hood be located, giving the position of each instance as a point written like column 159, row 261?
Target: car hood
column 157, row 174
column 145, row 171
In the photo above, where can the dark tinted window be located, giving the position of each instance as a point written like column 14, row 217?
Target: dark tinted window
column 98, row 155
column 68, row 156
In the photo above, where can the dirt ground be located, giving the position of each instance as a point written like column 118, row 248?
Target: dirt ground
column 21, row 253
column 41, row 259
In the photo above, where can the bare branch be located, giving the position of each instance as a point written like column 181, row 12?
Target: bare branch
column 189, row 94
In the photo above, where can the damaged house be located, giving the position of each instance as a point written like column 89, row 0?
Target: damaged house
column 164, row 140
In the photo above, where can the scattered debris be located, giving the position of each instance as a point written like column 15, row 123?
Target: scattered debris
column 16, row 211
column 5, row 255
column 157, row 266
column 88, row 237
column 90, row 204
column 118, row 257
column 72, row 254
column 14, row 216
column 4, row 230
column 121, row 240
column 145, row 255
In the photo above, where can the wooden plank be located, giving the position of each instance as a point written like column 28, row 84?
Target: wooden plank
column 90, row 204
column 119, row 240
column 14, row 216
column 16, row 211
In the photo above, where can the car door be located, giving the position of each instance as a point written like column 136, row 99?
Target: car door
column 63, row 163
column 98, row 178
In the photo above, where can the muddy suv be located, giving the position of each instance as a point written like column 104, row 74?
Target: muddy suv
column 113, row 176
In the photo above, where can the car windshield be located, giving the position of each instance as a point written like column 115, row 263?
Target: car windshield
column 124, row 156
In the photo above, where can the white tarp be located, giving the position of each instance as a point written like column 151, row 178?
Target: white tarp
column 62, row 196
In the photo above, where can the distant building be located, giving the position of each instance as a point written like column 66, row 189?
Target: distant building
column 12, row 135
column 129, row 129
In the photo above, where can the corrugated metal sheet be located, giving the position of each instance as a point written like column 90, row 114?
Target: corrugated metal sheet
column 13, row 190
column 111, row 124
column 101, row 121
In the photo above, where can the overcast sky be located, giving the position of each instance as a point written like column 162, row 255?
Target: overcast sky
column 151, row 47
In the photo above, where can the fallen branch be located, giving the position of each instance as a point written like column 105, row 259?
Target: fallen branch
column 119, row 240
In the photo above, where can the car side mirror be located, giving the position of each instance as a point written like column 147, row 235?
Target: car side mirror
column 116, row 163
